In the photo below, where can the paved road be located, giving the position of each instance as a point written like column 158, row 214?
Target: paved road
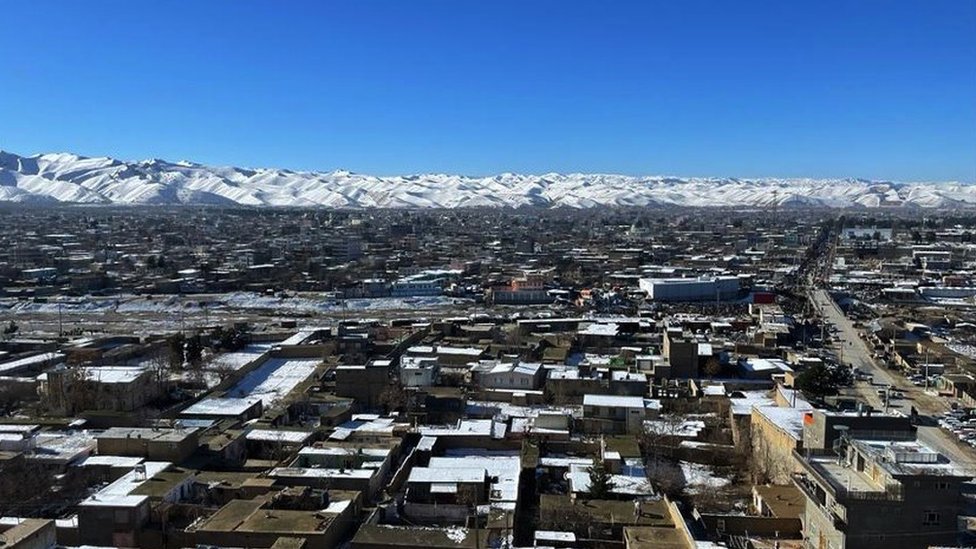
column 856, row 352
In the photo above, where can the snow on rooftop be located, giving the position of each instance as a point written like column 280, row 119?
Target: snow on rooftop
column 299, row 337
column 426, row 444
column 114, row 374
column 224, row 407
column 621, row 375
column 597, row 329
column 617, row 401
column 502, row 467
column 64, row 446
column 275, row 435
column 238, row 359
column 119, row 492
column 447, row 474
column 790, row 420
column 110, row 461
column 12, row 366
column 765, row 365
column 468, row 427
column 321, row 472
column 553, row 535
column 274, row 379
column 743, row 401
column 714, row 389
column 18, row 428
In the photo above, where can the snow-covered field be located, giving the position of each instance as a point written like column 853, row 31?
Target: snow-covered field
column 53, row 178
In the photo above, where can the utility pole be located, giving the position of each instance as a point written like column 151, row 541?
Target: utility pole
column 926, row 368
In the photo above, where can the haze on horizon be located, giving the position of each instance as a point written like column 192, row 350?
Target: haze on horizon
column 876, row 90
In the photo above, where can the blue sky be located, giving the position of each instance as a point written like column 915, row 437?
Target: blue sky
column 860, row 88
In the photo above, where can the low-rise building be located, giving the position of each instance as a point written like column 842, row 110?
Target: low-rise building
column 612, row 414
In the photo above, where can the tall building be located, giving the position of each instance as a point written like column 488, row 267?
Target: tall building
column 884, row 494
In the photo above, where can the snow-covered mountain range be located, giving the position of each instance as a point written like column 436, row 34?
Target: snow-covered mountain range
column 68, row 178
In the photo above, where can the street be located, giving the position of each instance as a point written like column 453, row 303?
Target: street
column 856, row 353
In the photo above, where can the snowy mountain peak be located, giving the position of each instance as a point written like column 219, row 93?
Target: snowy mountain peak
column 70, row 178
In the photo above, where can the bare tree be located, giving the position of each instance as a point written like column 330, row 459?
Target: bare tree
column 394, row 397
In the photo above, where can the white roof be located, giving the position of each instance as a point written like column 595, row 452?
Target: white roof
column 444, row 488
column 21, row 363
column 524, row 368
column 274, row 379
column 275, row 435
column 743, row 406
column 504, row 467
column 790, row 420
column 467, row 351
column 469, row 427
column 321, row 472
column 426, row 443
column 114, row 374
column 765, row 365
column 552, row 535
column 622, row 375
column 596, row 329
column 380, row 453
column 617, row 401
column 220, row 407
column 113, row 461
column 451, row 475
column 17, row 428
column 118, row 493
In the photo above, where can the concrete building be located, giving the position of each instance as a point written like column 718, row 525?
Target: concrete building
column 445, row 495
column 365, row 383
column 173, row 445
column 360, row 469
column 704, row 288
column 254, row 523
column 685, row 353
column 880, row 494
column 822, row 429
column 513, row 376
column 617, row 414
column 29, row 533
column 418, row 371
column 110, row 388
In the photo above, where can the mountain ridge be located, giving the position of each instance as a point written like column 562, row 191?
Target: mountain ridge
column 54, row 178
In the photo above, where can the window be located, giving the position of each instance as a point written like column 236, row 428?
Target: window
column 931, row 518
column 942, row 485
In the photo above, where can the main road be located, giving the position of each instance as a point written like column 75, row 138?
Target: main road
column 855, row 352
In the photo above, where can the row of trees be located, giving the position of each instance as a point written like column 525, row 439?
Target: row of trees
column 183, row 351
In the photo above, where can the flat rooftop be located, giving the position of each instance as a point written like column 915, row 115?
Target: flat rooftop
column 145, row 433
column 274, row 379
column 249, row 516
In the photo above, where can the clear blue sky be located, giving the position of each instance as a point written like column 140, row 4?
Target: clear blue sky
column 862, row 88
